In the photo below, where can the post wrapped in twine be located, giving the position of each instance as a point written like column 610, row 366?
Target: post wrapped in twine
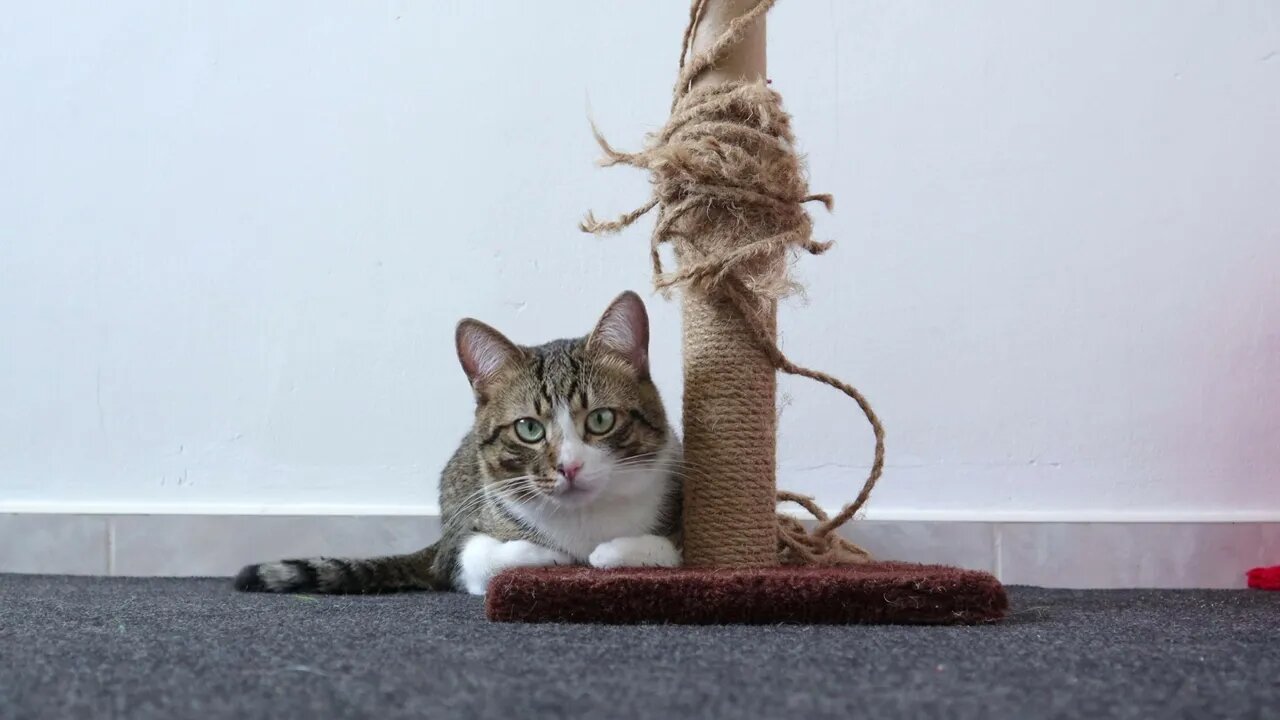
column 729, row 189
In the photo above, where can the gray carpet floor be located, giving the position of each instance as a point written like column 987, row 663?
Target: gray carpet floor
column 160, row 648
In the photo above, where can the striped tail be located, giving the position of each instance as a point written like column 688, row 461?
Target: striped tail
column 395, row 573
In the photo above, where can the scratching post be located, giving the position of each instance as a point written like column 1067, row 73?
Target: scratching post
column 729, row 191
column 730, row 429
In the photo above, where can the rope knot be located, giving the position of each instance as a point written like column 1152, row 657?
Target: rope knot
column 730, row 190
column 798, row 546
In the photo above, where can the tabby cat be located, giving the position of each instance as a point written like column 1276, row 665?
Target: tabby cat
column 569, row 461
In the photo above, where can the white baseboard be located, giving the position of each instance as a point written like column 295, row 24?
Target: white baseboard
column 1047, row 550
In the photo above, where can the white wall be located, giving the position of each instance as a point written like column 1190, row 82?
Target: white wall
column 235, row 237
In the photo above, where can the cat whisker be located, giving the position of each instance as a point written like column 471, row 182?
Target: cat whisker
column 523, row 493
column 475, row 500
column 651, row 459
column 499, row 484
column 682, row 473
column 643, row 456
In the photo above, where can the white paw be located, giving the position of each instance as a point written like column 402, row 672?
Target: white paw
column 483, row 557
column 642, row 551
column 522, row 553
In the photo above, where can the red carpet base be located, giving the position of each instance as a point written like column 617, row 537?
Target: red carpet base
column 876, row 593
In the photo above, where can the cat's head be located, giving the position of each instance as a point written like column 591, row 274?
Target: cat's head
column 570, row 421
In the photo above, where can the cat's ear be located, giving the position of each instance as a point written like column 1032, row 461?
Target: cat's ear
column 483, row 351
column 624, row 330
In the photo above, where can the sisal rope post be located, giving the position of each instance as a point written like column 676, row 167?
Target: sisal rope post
column 730, row 427
column 730, row 191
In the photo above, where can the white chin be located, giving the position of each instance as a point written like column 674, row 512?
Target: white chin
column 576, row 497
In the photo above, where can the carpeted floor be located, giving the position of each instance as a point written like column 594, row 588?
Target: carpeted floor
column 153, row 648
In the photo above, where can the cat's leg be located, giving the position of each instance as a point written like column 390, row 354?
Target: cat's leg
column 484, row 556
column 640, row 551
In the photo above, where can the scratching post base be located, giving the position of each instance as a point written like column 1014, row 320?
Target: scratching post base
column 873, row 593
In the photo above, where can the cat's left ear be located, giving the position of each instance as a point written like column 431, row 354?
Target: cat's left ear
column 483, row 352
column 624, row 330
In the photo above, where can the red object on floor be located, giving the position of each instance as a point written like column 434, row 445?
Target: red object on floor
column 1267, row 578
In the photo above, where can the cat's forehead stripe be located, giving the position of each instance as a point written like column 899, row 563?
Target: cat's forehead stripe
column 556, row 371
column 540, row 376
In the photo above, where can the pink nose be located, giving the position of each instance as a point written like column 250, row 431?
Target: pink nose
column 569, row 470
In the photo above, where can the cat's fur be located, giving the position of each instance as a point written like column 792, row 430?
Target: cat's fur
column 508, row 502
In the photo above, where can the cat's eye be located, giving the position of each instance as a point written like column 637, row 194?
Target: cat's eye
column 529, row 430
column 600, row 421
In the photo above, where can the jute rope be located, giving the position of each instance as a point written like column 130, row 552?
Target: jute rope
column 729, row 189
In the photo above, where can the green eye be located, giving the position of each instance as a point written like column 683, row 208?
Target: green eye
column 600, row 421
column 529, row 430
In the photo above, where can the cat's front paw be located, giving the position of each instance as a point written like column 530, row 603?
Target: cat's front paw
column 483, row 556
column 522, row 553
column 642, row 551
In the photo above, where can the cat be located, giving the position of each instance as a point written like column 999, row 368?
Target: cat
column 570, row 461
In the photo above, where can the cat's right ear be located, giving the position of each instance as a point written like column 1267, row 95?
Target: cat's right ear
column 483, row 352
